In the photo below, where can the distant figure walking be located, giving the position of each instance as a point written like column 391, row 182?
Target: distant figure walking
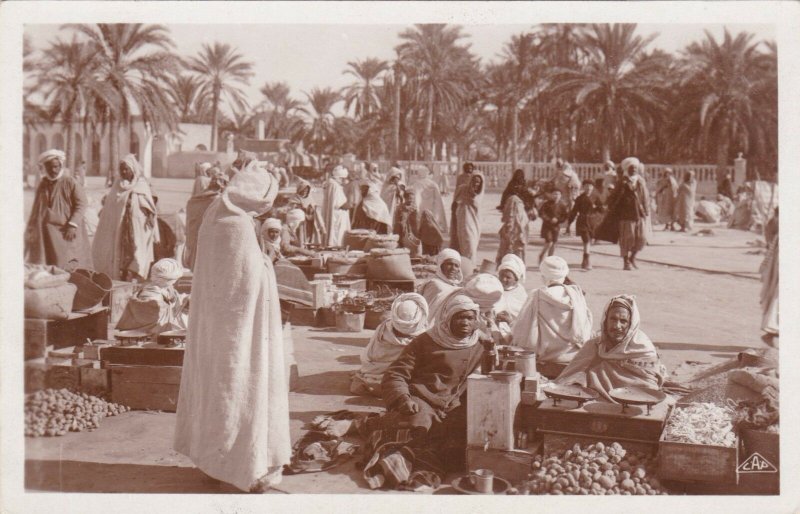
column 684, row 204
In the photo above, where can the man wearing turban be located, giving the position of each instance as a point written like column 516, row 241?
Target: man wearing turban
column 555, row 321
column 335, row 207
column 128, row 228
column 56, row 232
column 448, row 277
column 158, row 307
column 408, row 319
column 232, row 419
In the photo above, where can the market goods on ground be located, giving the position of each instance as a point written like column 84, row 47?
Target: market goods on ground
column 53, row 412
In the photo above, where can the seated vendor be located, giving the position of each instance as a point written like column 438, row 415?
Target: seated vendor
column 271, row 238
column 620, row 356
column 409, row 318
column 511, row 273
column 448, row 277
column 291, row 243
column 555, row 320
column 424, row 389
column 157, row 307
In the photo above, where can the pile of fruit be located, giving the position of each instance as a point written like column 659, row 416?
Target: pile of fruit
column 53, row 412
column 596, row 469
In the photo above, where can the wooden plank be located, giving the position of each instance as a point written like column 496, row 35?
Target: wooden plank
column 697, row 463
column 135, row 355
column 63, row 377
column 64, row 333
column 145, row 374
column 145, row 396
column 600, row 419
column 491, row 410
column 35, row 375
column 95, row 381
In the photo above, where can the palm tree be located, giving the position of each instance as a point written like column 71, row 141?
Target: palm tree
column 282, row 120
column 67, row 80
column 729, row 94
column 320, row 129
column 363, row 94
column 614, row 90
column 220, row 68
column 134, row 61
column 184, row 92
column 520, row 57
column 440, row 69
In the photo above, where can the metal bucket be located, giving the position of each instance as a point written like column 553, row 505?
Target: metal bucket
column 525, row 363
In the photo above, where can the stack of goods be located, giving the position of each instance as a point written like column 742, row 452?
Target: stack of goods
column 48, row 292
column 53, row 412
column 387, row 242
column 596, row 469
column 356, row 239
column 701, row 423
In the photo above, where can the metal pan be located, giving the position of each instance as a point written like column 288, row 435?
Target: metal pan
column 637, row 396
column 574, row 393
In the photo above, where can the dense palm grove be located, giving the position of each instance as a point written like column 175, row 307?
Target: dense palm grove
column 582, row 92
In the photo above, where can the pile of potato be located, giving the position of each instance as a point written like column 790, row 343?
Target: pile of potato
column 53, row 412
column 596, row 469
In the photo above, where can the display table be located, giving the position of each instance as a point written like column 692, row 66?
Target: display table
column 75, row 330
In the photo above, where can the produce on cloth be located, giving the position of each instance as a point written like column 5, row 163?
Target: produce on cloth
column 53, row 412
column 596, row 469
column 701, row 423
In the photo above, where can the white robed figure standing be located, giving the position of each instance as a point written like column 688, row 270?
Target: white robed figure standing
column 334, row 207
column 233, row 410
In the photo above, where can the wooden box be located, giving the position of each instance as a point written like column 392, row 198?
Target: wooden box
column 301, row 316
column 148, row 355
column 558, row 443
column 599, row 420
column 117, row 299
column 146, row 387
column 512, row 465
column 683, row 462
column 35, row 375
column 95, row 381
column 351, row 284
column 758, row 476
column 75, row 330
column 63, row 377
column 491, row 410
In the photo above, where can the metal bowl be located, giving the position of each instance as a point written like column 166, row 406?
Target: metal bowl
column 171, row 338
column 632, row 395
column 575, row 393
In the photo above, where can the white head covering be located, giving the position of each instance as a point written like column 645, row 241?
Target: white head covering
column 410, row 314
column 165, row 272
column 204, row 167
column 485, row 289
column 53, row 153
column 374, row 206
column 446, row 255
column 339, row 172
column 273, row 223
column 252, row 189
column 630, row 161
column 440, row 332
column 295, row 216
column 554, row 269
column 513, row 264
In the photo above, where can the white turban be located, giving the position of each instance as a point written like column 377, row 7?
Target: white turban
column 513, row 264
column 53, row 153
column 339, row 172
column 554, row 269
column 166, row 272
column 272, row 223
column 440, row 332
column 485, row 289
column 410, row 314
column 295, row 216
column 252, row 189
column 631, row 161
column 446, row 255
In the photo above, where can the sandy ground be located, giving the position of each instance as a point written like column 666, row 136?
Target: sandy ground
column 698, row 298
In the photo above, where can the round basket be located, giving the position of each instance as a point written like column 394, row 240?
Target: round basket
column 356, row 239
column 350, row 321
column 342, row 265
column 384, row 264
column 388, row 242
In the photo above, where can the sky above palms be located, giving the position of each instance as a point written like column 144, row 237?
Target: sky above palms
column 308, row 56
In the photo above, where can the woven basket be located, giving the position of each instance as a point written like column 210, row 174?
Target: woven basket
column 394, row 264
column 356, row 239
column 50, row 302
column 341, row 265
column 388, row 242
column 92, row 288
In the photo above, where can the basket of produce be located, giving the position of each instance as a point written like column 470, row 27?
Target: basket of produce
column 48, row 293
column 356, row 239
column 346, row 264
column 92, row 288
column 699, row 444
column 350, row 313
column 387, row 242
column 384, row 264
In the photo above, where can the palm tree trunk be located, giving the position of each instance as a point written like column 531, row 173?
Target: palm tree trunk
column 69, row 149
column 396, row 117
column 514, row 136
column 113, row 148
column 214, row 117
column 429, row 129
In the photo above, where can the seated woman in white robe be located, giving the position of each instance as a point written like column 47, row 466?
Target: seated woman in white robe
column 158, row 307
column 620, row 356
column 409, row 318
column 555, row 320
column 448, row 277
column 511, row 273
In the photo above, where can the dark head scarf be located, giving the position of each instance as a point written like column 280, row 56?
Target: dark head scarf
column 518, row 186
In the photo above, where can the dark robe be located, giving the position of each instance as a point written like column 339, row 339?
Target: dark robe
column 585, row 210
column 56, row 204
column 406, row 226
column 362, row 221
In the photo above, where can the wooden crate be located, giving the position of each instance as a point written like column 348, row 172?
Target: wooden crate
column 117, row 299
column 301, row 316
column 682, row 462
column 63, row 377
column 767, row 446
column 146, row 387
column 512, row 465
column 95, row 381
column 75, row 330
column 148, row 355
column 558, row 443
column 491, row 411
column 598, row 420
column 35, row 375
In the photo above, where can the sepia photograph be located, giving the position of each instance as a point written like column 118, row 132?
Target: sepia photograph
column 435, row 255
